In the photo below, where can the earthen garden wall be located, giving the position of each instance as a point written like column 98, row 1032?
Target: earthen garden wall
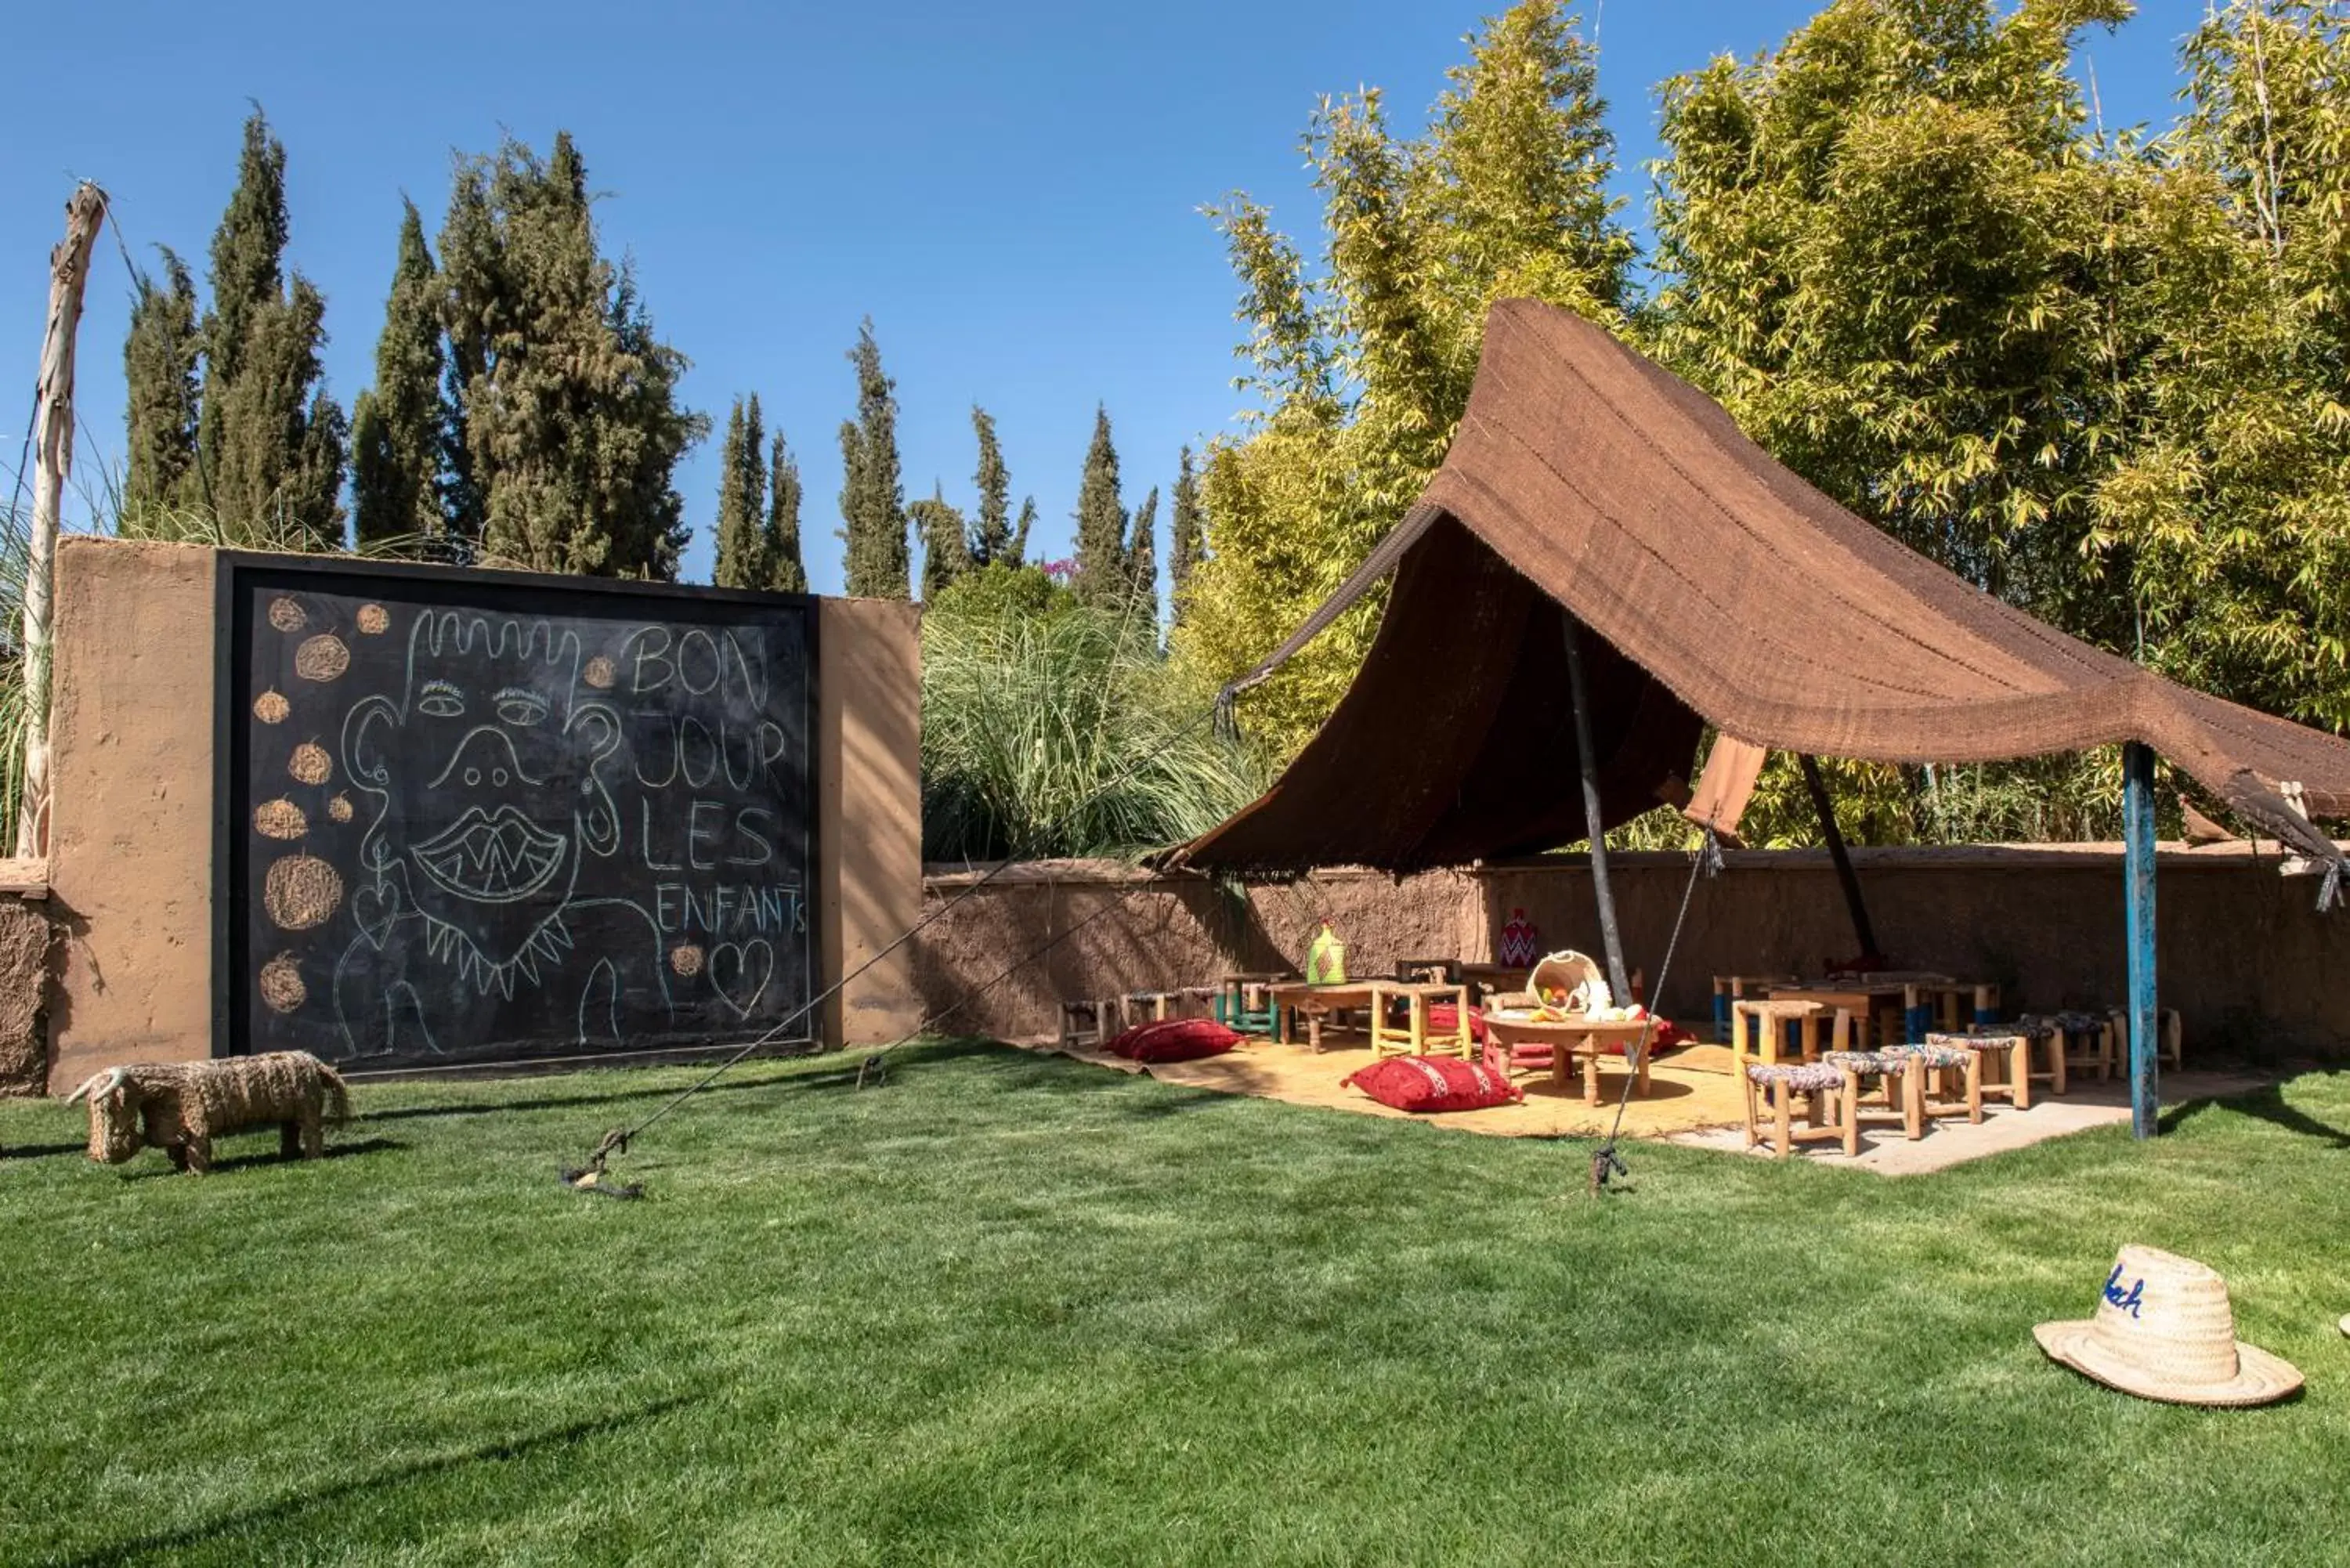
column 2242, row 953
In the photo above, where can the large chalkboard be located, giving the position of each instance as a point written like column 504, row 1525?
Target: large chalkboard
column 482, row 817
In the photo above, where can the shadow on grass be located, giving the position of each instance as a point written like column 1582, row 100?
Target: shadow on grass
column 149, row 1171
column 2266, row 1104
column 844, row 1076
column 290, row 1508
column 40, row 1150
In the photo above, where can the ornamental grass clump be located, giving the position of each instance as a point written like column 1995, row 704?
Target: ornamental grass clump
column 1066, row 732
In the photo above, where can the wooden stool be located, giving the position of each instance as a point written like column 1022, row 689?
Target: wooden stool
column 2003, row 1065
column 1759, row 1024
column 1833, row 1089
column 2084, row 1041
column 1149, row 1006
column 1082, row 1023
column 1935, row 1065
column 1244, row 1003
column 2169, row 1035
column 1413, row 1039
column 1897, row 1069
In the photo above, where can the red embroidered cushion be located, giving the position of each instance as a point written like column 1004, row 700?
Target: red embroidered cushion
column 1173, row 1040
column 1434, row 1083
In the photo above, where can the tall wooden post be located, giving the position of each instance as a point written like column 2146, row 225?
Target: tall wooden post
column 1846, row 878
column 1579, row 693
column 2138, row 900
column 53, row 428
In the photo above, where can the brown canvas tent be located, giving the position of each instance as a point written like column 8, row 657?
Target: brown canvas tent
column 1728, row 591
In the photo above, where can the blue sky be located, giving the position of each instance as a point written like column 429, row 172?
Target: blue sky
column 1011, row 192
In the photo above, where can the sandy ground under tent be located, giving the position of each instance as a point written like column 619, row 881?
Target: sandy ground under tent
column 1692, row 1099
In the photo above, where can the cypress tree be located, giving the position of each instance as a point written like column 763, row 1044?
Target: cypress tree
column 1019, row 553
column 742, row 537
column 1188, row 543
column 641, row 432
column 873, row 498
column 159, row 372
column 786, row 572
column 399, row 425
column 993, row 538
column 946, row 550
column 571, row 426
column 1102, row 576
column 1142, row 554
column 272, row 437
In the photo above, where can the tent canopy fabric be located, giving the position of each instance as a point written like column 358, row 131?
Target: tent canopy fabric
column 1712, row 586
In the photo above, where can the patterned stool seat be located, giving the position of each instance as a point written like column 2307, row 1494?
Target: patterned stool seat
column 1936, row 1053
column 1802, row 1077
column 1995, row 1040
column 1770, row 1089
column 1891, row 1059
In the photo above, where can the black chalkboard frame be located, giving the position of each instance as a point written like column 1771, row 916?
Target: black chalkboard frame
column 237, row 578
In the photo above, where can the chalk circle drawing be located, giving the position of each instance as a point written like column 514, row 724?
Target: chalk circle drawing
column 685, row 958
column 287, row 615
column 601, row 673
column 373, row 619
column 310, row 763
column 279, row 818
column 281, row 983
column 321, row 658
column 301, row 891
column 739, row 972
column 271, row 707
column 339, row 809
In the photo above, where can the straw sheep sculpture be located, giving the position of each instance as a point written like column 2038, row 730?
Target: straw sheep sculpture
column 180, row 1107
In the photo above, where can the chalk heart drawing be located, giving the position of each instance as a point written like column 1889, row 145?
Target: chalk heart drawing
column 740, row 971
column 375, row 907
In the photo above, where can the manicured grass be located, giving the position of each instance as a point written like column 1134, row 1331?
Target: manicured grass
column 1012, row 1309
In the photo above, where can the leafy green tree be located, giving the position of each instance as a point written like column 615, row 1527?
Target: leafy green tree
column 1102, row 579
column 1887, row 258
column 1363, row 364
column 401, row 427
column 2224, row 522
column 1018, row 554
column 993, row 538
column 272, row 438
column 946, row 545
column 786, row 572
column 1142, row 555
column 872, row 496
column 999, row 589
column 742, row 534
column 1186, row 544
column 572, row 429
column 159, row 361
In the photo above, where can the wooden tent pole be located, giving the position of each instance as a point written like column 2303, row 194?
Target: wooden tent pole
column 1840, row 855
column 2138, row 903
column 53, row 425
column 1617, row 980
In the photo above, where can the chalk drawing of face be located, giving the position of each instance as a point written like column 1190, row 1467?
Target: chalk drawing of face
column 486, row 786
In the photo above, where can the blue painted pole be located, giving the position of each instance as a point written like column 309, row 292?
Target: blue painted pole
column 2137, row 897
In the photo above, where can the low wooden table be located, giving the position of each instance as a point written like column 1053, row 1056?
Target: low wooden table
column 1497, row 976
column 1316, row 1003
column 1733, row 988
column 1566, row 1036
column 1417, row 1038
column 1866, row 997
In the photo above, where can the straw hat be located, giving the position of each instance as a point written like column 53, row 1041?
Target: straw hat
column 2164, row 1330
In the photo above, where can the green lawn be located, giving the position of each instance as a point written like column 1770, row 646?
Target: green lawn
column 1012, row 1309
